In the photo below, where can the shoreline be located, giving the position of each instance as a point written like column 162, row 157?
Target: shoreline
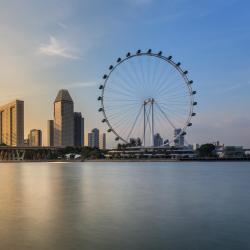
column 131, row 160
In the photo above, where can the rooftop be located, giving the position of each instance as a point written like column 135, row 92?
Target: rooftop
column 63, row 95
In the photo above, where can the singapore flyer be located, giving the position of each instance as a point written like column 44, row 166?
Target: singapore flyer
column 147, row 94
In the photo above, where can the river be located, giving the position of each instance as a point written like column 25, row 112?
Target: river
column 125, row 205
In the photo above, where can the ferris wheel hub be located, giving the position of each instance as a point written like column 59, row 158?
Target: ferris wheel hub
column 149, row 100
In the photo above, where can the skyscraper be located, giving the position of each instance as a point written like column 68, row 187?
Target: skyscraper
column 50, row 133
column 93, row 138
column 35, row 138
column 179, row 141
column 103, row 141
column 78, row 129
column 63, row 119
column 12, row 123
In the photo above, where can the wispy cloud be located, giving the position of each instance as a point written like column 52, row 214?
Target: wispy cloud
column 62, row 25
column 56, row 49
column 139, row 2
column 235, row 87
column 81, row 85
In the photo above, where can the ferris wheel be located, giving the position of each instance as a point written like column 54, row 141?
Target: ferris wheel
column 147, row 94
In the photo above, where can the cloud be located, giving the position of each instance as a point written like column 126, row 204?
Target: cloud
column 140, row 2
column 235, row 87
column 62, row 25
column 82, row 85
column 56, row 49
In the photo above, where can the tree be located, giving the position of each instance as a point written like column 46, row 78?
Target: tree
column 207, row 150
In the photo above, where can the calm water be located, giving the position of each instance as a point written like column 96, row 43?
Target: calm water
column 125, row 206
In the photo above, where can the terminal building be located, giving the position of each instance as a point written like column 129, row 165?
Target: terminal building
column 179, row 138
column 158, row 141
column 12, row 123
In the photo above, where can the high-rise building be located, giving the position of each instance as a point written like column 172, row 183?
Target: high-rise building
column 103, row 141
column 158, row 141
column 179, row 140
column 35, row 138
column 12, row 123
column 93, row 138
column 78, row 129
column 63, row 119
column 26, row 142
column 50, row 133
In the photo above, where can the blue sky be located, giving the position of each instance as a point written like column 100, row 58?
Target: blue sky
column 47, row 45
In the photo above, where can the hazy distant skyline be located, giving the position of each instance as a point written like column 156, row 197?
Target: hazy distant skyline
column 49, row 45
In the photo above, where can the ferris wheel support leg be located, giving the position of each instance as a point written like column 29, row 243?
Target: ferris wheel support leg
column 152, row 123
column 144, row 125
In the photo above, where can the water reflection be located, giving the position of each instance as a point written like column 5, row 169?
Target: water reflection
column 124, row 206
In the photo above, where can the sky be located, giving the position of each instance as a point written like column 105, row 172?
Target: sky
column 52, row 44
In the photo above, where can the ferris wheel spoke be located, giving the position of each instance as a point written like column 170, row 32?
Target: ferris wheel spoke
column 166, row 77
column 165, row 115
column 133, row 126
column 142, row 72
column 155, row 70
column 173, row 86
column 121, row 94
column 170, row 83
column 114, row 101
column 133, row 68
column 127, row 76
column 120, row 113
column 175, row 107
column 174, row 95
column 119, row 86
column 163, row 128
column 128, row 86
column 174, row 89
column 131, row 76
column 158, row 84
column 175, row 115
column 176, row 102
column 121, row 104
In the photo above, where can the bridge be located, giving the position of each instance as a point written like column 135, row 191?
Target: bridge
column 8, row 153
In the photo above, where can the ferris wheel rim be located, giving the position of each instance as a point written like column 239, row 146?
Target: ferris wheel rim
column 169, row 60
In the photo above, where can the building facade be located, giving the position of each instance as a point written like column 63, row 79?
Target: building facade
column 12, row 123
column 158, row 141
column 50, row 133
column 35, row 138
column 63, row 119
column 180, row 140
column 103, row 141
column 78, row 129
column 93, row 138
